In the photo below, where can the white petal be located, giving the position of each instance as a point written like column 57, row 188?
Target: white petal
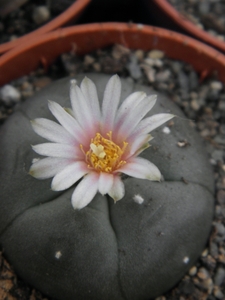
column 48, row 167
column 89, row 91
column 69, row 175
column 51, row 131
column 57, row 150
column 128, row 105
column 139, row 144
column 141, row 168
column 117, row 191
column 110, row 103
column 151, row 123
column 105, row 182
column 135, row 116
column 85, row 190
column 66, row 120
column 82, row 109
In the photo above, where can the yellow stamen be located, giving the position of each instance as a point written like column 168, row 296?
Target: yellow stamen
column 104, row 155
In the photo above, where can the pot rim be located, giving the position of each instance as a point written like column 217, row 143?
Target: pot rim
column 82, row 39
column 186, row 25
column 71, row 13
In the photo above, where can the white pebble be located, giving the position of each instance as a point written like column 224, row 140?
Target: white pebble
column 186, row 260
column 138, row 199
column 58, row 254
column 216, row 85
column 9, row 94
column 156, row 54
column 166, row 130
column 41, row 14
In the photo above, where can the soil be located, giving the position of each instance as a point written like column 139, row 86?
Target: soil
column 203, row 101
column 208, row 15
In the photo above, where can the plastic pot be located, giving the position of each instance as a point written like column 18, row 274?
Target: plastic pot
column 67, row 16
column 167, row 15
column 86, row 38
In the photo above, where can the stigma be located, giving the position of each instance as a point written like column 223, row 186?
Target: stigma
column 98, row 150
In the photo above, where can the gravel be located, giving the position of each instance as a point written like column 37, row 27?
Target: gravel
column 208, row 15
column 201, row 101
column 28, row 17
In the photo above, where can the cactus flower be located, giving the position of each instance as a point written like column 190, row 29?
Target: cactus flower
column 96, row 144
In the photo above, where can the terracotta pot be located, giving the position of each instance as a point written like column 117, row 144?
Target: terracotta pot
column 67, row 16
column 86, row 38
column 167, row 15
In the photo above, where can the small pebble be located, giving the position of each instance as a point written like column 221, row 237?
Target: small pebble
column 134, row 68
column 192, row 271
column 216, row 85
column 119, row 51
column 41, row 14
column 195, row 105
column 153, row 62
column 205, row 253
column 218, row 293
column 166, row 130
column 163, row 76
column 97, row 67
column 139, row 54
column 9, row 94
column 221, row 197
column 156, row 54
column 150, row 72
column 220, row 228
column 220, row 276
column 88, row 60
column 138, row 199
column 213, row 249
column 58, row 254
column 203, row 274
column 186, row 260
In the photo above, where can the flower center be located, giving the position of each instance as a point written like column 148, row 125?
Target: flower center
column 104, row 155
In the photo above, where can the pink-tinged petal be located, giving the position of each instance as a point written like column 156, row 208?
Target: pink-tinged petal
column 82, row 109
column 127, row 106
column 105, row 182
column 85, row 190
column 110, row 103
column 69, row 175
column 51, row 131
column 139, row 144
column 117, row 191
column 135, row 116
column 67, row 121
column 48, row 167
column 58, row 150
column 151, row 123
column 89, row 91
column 141, row 168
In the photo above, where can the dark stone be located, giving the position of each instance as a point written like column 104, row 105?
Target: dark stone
column 106, row 250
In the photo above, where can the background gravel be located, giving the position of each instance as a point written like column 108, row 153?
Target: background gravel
column 208, row 15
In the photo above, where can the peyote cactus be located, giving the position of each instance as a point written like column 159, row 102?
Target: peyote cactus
column 135, row 249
